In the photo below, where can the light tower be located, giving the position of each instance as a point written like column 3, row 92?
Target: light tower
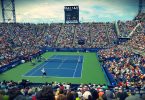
column 8, row 11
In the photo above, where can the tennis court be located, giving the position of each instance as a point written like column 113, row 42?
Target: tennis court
column 59, row 66
column 88, row 69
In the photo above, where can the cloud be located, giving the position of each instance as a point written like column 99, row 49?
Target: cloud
column 43, row 13
column 90, row 10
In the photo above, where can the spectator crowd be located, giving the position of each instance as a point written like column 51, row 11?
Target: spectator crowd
column 25, row 39
column 24, row 90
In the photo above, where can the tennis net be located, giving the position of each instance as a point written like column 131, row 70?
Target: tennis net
column 64, row 60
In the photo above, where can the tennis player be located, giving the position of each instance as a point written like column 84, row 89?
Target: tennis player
column 43, row 72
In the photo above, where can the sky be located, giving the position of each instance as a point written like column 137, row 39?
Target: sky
column 52, row 11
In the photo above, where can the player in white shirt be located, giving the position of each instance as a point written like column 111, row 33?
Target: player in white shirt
column 43, row 72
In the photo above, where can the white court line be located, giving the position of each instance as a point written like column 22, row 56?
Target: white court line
column 61, row 68
column 57, row 68
column 53, row 57
column 76, row 67
column 51, row 77
column 54, row 69
column 59, row 65
column 38, row 68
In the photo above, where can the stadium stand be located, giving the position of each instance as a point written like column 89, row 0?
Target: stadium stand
column 137, row 40
column 125, row 69
column 126, row 27
column 66, row 36
column 140, row 17
column 99, row 37
column 27, row 39
column 83, row 32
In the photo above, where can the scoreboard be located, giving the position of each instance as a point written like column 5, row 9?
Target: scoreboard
column 71, row 14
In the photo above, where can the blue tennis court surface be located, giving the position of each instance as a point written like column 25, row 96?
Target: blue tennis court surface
column 59, row 66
